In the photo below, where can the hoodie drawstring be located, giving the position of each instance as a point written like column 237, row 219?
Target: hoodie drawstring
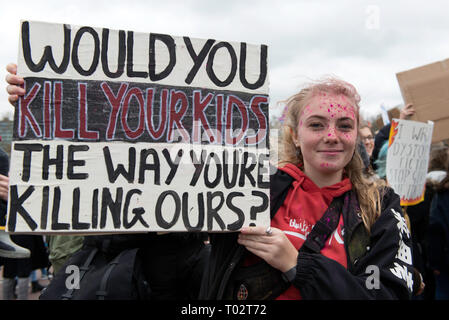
column 296, row 184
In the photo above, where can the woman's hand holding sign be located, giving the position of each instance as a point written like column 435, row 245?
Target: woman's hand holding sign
column 14, row 82
column 271, row 244
column 4, row 185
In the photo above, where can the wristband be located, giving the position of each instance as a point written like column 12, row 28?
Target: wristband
column 289, row 275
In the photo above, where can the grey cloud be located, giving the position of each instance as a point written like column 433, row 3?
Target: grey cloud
column 306, row 39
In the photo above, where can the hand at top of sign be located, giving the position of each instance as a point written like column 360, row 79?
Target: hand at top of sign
column 271, row 245
column 14, row 82
column 407, row 112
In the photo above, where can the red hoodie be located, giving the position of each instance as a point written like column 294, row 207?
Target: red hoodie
column 304, row 206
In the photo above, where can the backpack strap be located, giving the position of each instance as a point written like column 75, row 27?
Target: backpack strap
column 102, row 293
column 324, row 227
column 279, row 187
column 83, row 270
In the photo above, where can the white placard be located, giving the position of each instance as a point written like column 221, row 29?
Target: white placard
column 408, row 159
column 135, row 132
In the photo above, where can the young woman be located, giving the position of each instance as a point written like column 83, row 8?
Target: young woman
column 360, row 250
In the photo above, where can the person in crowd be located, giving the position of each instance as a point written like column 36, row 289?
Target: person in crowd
column 61, row 248
column 419, row 218
column 383, row 135
column 367, row 138
column 27, row 253
column 333, row 234
column 365, row 158
column 381, row 162
column 35, row 285
column 438, row 234
column 366, row 146
column 437, row 165
column 22, row 268
column 8, row 249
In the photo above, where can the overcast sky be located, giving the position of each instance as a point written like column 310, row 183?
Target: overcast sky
column 363, row 42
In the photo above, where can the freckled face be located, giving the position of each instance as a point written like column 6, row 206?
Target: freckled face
column 327, row 133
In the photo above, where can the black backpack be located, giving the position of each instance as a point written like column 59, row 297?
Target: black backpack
column 106, row 268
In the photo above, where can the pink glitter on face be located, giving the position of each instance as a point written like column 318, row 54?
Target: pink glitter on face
column 327, row 132
column 305, row 110
column 325, row 165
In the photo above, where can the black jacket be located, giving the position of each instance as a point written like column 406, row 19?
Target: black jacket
column 439, row 232
column 387, row 250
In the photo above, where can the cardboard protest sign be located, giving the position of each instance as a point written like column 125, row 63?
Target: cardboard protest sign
column 122, row 131
column 427, row 87
column 408, row 159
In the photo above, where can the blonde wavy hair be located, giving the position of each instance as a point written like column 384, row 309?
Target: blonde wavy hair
column 367, row 191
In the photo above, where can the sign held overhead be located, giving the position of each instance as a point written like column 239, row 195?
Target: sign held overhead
column 427, row 88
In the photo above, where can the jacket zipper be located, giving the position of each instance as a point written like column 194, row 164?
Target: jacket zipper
column 229, row 269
